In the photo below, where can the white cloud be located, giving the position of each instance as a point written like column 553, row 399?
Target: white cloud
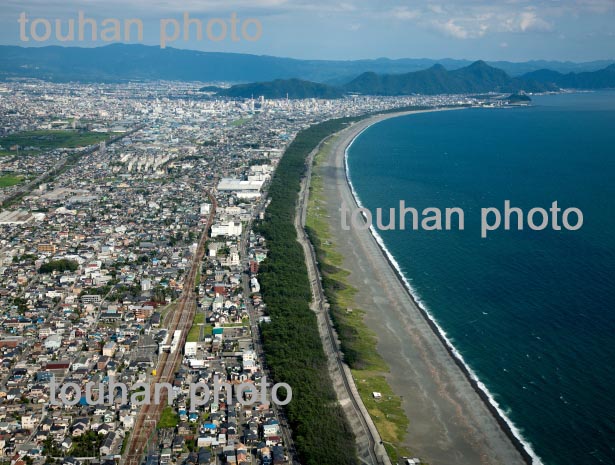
column 436, row 9
column 470, row 19
column 405, row 13
column 454, row 29
column 530, row 22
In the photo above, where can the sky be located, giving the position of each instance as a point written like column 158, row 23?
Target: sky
column 513, row 30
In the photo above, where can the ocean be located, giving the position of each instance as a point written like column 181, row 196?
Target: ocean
column 531, row 312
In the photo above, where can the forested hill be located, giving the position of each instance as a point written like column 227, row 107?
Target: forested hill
column 478, row 77
column 601, row 79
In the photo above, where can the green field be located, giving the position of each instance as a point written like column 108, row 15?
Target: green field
column 240, row 121
column 49, row 139
column 9, row 180
column 194, row 335
column 168, row 418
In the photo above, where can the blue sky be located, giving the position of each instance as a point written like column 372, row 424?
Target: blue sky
column 515, row 30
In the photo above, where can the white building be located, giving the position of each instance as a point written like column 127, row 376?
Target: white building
column 53, row 342
column 29, row 422
column 249, row 360
column 190, row 349
column 230, row 228
column 239, row 185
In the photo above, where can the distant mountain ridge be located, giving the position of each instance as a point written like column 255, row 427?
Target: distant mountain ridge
column 479, row 77
column 123, row 62
column 476, row 78
column 601, row 79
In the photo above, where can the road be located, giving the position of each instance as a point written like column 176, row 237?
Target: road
column 256, row 338
column 370, row 448
column 181, row 319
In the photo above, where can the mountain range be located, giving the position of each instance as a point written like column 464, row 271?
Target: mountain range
column 601, row 79
column 123, row 62
column 478, row 77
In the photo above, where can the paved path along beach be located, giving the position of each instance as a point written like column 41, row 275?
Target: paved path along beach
column 449, row 422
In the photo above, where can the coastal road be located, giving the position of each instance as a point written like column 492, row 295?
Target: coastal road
column 369, row 445
column 450, row 422
column 181, row 319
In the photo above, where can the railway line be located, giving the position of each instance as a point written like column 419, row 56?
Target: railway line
column 181, row 320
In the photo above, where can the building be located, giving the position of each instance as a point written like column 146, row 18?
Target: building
column 46, row 248
column 190, row 349
column 230, row 228
column 15, row 217
column 238, row 185
column 91, row 299
column 53, row 342
column 109, row 349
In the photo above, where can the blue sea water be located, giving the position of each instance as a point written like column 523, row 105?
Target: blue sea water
column 532, row 312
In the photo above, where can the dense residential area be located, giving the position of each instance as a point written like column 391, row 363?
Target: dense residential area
column 113, row 190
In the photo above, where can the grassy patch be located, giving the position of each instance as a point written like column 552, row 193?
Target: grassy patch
column 358, row 342
column 239, row 122
column 168, row 418
column 12, row 153
column 236, row 325
column 386, row 412
column 194, row 335
column 9, row 180
column 49, row 139
column 166, row 309
column 125, row 443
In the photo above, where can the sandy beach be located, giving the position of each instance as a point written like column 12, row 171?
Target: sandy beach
column 449, row 422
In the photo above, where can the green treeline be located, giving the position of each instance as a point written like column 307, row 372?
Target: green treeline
column 292, row 343
column 58, row 265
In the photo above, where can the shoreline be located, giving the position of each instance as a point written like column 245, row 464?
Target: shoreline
column 497, row 451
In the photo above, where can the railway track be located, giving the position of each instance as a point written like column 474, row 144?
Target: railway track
column 182, row 319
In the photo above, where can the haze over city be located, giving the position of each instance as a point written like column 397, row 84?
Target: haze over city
column 578, row 30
